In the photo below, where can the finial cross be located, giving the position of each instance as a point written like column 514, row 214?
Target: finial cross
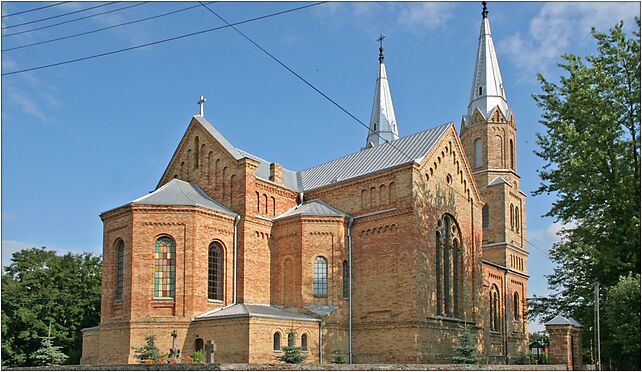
column 380, row 40
column 484, row 10
column 201, row 102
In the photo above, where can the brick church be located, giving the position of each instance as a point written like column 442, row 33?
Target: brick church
column 384, row 255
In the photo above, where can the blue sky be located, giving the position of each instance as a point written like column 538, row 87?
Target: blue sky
column 85, row 137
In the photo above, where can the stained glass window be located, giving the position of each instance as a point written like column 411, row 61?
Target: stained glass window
column 320, row 278
column 215, row 272
column 120, row 269
column 165, row 267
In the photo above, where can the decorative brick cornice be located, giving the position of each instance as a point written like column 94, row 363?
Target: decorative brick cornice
column 116, row 228
column 379, row 230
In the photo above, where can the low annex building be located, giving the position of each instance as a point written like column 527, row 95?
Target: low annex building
column 385, row 254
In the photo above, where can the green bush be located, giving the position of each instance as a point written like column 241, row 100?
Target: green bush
column 149, row 352
column 198, row 356
column 338, row 357
column 467, row 348
column 292, row 355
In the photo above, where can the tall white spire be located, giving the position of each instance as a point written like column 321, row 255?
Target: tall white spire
column 488, row 89
column 383, row 124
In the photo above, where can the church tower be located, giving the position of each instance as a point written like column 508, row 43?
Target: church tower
column 488, row 134
column 383, row 124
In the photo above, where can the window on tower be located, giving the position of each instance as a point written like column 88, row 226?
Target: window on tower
column 346, row 280
column 485, row 217
column 478, row 153
column 494, row 309
column 480, row 91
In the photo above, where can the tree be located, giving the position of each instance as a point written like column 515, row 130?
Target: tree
column 467, row 348
column 291, row 353
column 39, row 287
column 621, row 317
column 592, row 151
column 48, row 354
column 149, row 351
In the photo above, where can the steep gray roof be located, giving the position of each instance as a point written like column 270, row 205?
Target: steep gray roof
column 253, row 310
column 560, row 320
column 313, row 207
column 387, row 155
column 178, row 192
column 412, row 148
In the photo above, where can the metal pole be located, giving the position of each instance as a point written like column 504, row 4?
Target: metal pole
column 597, row 320
column 351, row 221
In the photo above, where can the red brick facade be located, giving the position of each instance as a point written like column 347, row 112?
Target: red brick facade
column 405, row 309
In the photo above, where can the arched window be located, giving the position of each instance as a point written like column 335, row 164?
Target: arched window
column 512, row 217
column 258, row 202
column 512, row 155
column 478, row 153
column 448, row 265
column 265, row 204
column 346, row 280
column 364, row 199
column 196, row 149
column 320, row 277
column 373, row 197
column 198, row 344
column 494, row 308
column 304, row 342
column 215, row 272
column 516, row 306
column 232, row 178
column 209, row 166
column 392, row 193
column 485, row 217
column 165, row 263
column 276, row 341
column 517, row 219
column 120, row 269
column 273, row 202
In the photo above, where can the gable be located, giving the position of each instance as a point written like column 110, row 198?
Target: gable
column 449, row 152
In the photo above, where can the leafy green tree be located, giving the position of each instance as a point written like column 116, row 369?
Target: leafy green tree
column 592, row 151
column 466, row 351
column 149, row 351
column 48, row 354
column 39, row 287
column 621, row 317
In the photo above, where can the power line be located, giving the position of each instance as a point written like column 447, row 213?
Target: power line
column 104, row 28
column 34, row 9
column 59, row 15
column 303, row 79
column 75, row 19
column 162, row 41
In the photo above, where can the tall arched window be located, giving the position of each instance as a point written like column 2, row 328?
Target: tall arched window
column 517, row 219
column 215, row 272
column 512, row 154
column 198, row 344
column 258, row 202
column 512, row 217
column 494, row 308
column 485, row 217
column 346, row 279
column 449, row 264
column 304, row 342
column 478, row 153
column 120, row 269
column 320, row 277
column 196, row 149
column 516, row 306
column 165, row 263
column 276, row 341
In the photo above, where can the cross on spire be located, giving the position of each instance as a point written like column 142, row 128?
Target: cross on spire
column 380, row 40
column 201, row 102
column 484, row 10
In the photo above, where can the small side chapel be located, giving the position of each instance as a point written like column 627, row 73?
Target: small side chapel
column 384, row 255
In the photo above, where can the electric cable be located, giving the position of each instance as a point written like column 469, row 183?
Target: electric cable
column 160, row 41
column 58, row 15
column 34, row 9
column 75, row 19
column 104, row 28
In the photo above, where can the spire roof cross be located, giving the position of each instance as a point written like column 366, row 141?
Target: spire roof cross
column 380, row 40
column 484, row 10
column 201, row 102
